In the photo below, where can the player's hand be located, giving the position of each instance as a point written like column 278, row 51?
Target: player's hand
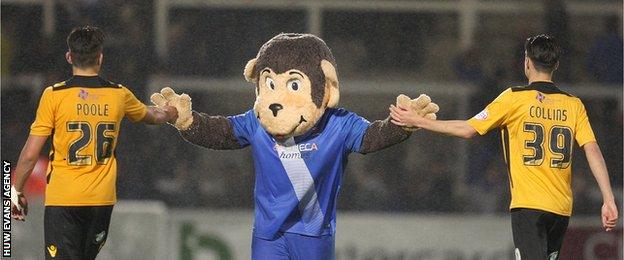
column 609, row 215
column 182, row 103
column 19, row 205
column 172, row 113
column 421, row 106
column 404, row 117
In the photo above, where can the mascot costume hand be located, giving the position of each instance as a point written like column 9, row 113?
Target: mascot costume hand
column 182, row 103
column 421, row 105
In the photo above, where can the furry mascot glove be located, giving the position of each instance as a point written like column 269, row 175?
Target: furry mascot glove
column 421, row 105
column 181, row 102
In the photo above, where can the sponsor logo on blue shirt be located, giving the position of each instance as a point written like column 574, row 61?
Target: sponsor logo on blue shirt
column 304, row 150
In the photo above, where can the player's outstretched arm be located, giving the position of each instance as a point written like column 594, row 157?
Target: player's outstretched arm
column 407, row 118
column 599, row 170
column 213, row 132
column 25, row 165
column 160, row 115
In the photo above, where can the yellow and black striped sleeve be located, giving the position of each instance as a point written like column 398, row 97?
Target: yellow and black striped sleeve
column 134, row 109
column 44, row 119
column 494, row 115
column 584, row 133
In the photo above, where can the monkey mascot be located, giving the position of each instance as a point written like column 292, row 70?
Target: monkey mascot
column 300, row 143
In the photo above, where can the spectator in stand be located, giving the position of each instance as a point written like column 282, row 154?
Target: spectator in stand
column 180, row 46
column 605, row 57
column 7, row 50
column 467, row 66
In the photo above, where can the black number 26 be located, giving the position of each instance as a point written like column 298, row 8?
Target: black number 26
column 559, row 142
column 103, row 143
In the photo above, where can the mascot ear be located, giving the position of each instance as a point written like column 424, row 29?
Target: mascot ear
column 249, row 69
column 331, row 83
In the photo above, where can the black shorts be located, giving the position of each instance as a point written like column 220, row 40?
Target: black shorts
column 537, row 234
column 75, row 232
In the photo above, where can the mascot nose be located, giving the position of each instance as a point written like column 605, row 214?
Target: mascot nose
column 275, row 108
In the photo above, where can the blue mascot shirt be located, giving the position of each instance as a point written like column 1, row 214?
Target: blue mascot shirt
column 297, row 182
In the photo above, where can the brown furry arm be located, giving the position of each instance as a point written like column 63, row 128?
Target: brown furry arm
column 212, row 132
column 381, row 134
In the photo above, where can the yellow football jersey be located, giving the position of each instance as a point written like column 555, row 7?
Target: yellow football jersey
column 83, row 115
column 539, row 125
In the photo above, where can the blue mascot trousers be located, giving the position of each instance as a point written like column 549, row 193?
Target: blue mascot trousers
column 290, row 246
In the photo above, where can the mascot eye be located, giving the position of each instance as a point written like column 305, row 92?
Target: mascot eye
column 270, row 83
column 294, row 85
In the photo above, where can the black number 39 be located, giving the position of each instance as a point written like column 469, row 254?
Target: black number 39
column 104, row 143
column 559, row 144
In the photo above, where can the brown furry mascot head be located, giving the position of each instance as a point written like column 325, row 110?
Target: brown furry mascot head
column 296, row 80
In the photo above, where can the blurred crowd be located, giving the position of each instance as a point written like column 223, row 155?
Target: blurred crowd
column 155, row 163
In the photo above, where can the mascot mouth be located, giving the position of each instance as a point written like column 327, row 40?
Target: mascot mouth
column 284, row 136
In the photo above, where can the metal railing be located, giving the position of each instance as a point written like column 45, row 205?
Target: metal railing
column 468, row 11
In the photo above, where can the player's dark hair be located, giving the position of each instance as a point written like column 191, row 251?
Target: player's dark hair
column 544, row 52
column 85, row 44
